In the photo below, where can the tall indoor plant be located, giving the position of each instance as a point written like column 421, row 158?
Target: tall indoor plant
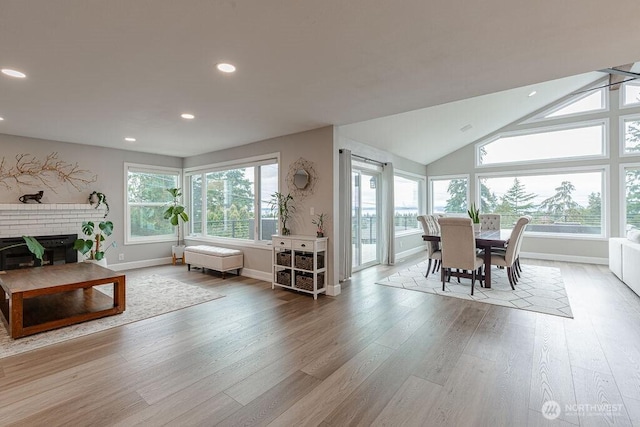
column 282, row 205
column 474, row 214
column 176, row 213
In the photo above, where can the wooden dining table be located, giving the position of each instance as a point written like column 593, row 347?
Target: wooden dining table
column 484, row 240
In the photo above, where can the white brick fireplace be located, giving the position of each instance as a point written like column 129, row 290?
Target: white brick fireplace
column 34, row 219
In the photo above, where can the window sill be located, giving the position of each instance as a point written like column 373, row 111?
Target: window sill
column 266, row 245
column 409, row 233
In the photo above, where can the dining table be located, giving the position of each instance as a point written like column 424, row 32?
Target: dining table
column 485, row 240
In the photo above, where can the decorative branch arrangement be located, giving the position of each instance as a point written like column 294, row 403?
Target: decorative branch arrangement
column 31, row 171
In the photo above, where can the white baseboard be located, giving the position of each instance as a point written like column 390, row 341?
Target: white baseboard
column 408, row 252
column 122, row 266
column 334, row 290
column 565, row 258
column 256, row 274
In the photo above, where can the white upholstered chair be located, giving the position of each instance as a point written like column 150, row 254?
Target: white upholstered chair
column 490, row 222
column 509, row 257
column 433, row 248
column 459, row 249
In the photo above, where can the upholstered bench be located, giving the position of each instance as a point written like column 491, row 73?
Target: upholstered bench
column 213, row 258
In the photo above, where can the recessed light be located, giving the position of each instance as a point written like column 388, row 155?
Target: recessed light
column 130, row 139
column 13, row 73
column 187, row 116
column 465, row 128
column 226, row 68
column 533, row 92
column 1, row 119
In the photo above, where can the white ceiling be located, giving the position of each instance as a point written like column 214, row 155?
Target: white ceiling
column 100, row 71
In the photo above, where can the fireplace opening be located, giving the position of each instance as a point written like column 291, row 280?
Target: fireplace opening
column 57, row 250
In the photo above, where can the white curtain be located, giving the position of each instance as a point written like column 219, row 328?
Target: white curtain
column 387, row 240
column 344, row 208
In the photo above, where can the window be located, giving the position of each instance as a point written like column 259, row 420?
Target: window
column 631, row 94
column 631, row 132
column 407, row 202
column 631, row 200
column 449, row 194
column 554, row 143
column 226, row 201
column 147, row 199
column 564, row 203
column 586, row 103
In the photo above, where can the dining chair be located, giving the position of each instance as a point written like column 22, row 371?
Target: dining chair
column 459, row 249
column 520, row 239
column 433, row 248
column 490, row 222
column 508, row 258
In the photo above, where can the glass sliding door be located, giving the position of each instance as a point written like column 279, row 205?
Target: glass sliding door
column 365, row 193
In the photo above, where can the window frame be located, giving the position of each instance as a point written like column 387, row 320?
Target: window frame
column 621, row 130
column 543, row 129
column 447, row 177
column 254, row 161
column 541, row 117
column 623, row 194
column 138, row 167
column 421, row 180
column 621, row 104
column 605, row 224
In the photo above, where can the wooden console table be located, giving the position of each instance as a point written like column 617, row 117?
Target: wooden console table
column 43, row 298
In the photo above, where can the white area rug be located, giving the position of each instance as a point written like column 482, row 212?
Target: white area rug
column 147, row 296
column 539, row 289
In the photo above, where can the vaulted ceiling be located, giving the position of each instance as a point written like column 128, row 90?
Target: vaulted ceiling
column 98, row 72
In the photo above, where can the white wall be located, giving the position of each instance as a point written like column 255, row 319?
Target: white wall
column 570, row 249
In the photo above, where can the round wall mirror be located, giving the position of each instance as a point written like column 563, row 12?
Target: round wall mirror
column 301, row 179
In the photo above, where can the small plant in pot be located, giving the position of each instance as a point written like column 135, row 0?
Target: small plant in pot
column 282, row 205
column 176, row 213
column 474, row 214
column 318, row 221
column 96, row 199
column 93, row 248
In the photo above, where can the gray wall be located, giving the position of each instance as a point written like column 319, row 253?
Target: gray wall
column 108, row 165
column 315, row 146
column 585, row 250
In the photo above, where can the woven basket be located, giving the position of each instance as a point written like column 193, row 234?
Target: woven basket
column 305, row 281
column 284, row 258
column 283, row 278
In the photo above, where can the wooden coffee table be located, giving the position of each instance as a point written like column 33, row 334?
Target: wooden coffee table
column 43, row 298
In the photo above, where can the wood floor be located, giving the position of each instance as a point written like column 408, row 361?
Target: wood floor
column 374, row 355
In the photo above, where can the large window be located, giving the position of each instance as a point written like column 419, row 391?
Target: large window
column 407, row 193
column 147, row 199
column 449, row 194
column 631, row 207
column 589, row 102
column 568, row 202
column 631, row 135
column 546, row 144
column 233, row 201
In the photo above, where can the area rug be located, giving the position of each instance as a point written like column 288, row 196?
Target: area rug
column 539, row 289
column 147, row 296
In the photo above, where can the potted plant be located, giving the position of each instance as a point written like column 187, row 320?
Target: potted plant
column 96, row 235
column 176, row 213
column 474, row 214
column 96, row 199
column 283, row 206
column 318, row 221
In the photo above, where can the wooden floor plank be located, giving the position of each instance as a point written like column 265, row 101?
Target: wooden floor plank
column 381, row 355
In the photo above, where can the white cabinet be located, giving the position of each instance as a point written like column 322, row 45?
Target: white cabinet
column 300, row 263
